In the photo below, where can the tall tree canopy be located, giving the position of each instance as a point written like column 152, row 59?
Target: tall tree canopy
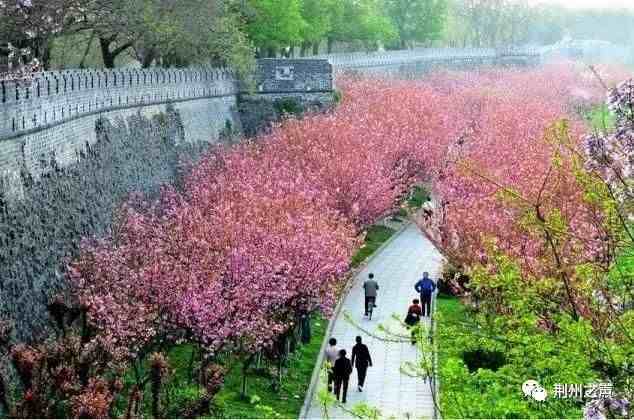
column 363, row 21
column 275, row 24
column 417, row 20
column 319, row 16
column 158, row 32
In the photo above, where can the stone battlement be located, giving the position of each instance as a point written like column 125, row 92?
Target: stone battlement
column 51, row 98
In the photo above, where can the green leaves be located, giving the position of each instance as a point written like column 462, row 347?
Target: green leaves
column 418, row 20
column 363, row 21
column 318, row 15
column 276, row 23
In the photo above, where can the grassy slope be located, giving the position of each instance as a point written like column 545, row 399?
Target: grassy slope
column 450, row 312
column 285, row 403
column 376, row 236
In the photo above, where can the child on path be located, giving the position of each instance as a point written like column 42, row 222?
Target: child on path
column 331, row 355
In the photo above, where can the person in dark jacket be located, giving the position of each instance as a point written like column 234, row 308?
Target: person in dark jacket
column 425, row 287
column 370, row 286
column 342, row 371
column 361, row 360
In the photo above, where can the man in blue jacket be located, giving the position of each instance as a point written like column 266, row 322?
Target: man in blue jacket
column 425, row 287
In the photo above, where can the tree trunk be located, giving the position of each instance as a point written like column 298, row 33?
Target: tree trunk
column 4, row 404
column 156, row 381
column 271, row 52
column 192, row 360
column 106, row 55
column 82, row 62
column 304, row 48
column 245, row 368
column 280, row 366
column 331, row 43
column 133, row 402
column 316, row 48
column 46, row 54
column 305, row 323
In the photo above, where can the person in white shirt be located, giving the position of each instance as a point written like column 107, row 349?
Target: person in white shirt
column 331, row 353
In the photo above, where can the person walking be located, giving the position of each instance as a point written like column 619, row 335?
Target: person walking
column 361, row 360
column 331, row 354
column 425, row 287
column 370, row 286
column 414, row 313
column 342, row 371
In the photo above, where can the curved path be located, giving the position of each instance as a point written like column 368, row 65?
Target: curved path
column 396, row 268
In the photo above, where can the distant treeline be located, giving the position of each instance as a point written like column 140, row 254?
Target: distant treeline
column 109, row 33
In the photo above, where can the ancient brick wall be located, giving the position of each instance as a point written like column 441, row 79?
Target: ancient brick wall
column 54, row 114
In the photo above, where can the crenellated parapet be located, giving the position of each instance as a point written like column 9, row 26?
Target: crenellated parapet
column 51, row 98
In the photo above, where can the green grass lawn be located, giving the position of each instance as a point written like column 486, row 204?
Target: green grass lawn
column 449, row 311
column 375, row 237
column 378, row 234
column 263, row 401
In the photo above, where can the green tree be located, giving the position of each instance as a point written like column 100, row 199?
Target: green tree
column 493, row 23
column 156, row 33
column 363, row 21
column 319, row 16
column 28, row 28
column 275, row 24
column 417, row 20
column 547, row 25
column 177, row 34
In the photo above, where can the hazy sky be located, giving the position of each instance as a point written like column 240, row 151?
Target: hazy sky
column 594, row 4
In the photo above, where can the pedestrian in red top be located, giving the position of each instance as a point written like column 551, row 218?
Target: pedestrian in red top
column 414, row 314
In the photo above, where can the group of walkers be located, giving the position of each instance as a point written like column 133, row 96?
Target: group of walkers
column 425, row 287
column 340, row 367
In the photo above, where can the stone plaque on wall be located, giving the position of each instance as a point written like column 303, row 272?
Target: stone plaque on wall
column 284, row 73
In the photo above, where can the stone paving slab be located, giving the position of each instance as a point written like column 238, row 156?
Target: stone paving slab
column 396, row 268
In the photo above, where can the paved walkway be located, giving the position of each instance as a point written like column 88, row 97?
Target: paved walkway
column 396, row 268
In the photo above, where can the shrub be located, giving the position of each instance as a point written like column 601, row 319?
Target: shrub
column 289, row 106
column 337, row 96
column 483, row 359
